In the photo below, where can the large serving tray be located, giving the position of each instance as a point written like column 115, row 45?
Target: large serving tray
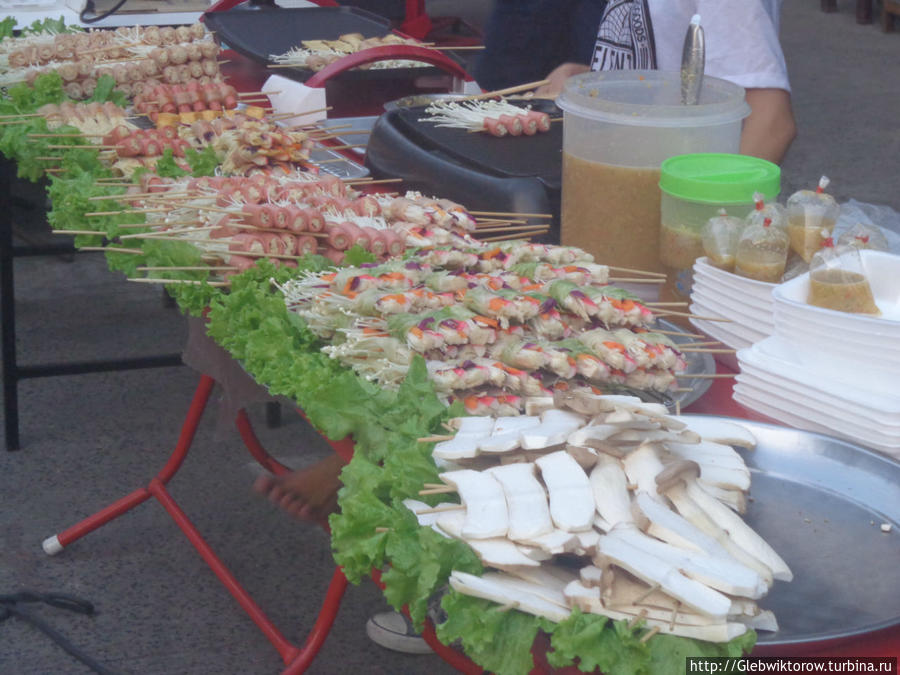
column 260, row 33
column 820, row 502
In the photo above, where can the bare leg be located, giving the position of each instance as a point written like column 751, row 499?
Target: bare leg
column 307, row 494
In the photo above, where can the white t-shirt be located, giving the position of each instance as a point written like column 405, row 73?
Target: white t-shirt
column 741, row 39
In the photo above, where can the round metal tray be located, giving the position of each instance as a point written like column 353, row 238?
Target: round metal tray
column 820, row 502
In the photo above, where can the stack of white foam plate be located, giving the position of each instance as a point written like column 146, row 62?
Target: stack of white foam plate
column 831, row 371
column 745, row 305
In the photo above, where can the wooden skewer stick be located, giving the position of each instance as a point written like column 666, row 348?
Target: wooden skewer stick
column 702, row 350
column 138, row 195
column 114, row 249
column 74, row 232
column 676, row 333
column 643, row 613
column 649, row 634
column 646, row 594
column 189, row 282
column 434, row 485
column 329, row 136
column 674, row 614
column 189, row 268
column 373, row 182
column 706, row 376
column 166, row 233
column 120, row 213
column 508, row 606
column 710, row 343
column 434, row 439
column 344, row 147
column 512, row 214
column 382, row 530
column 247, row 94
column 79, row 135
column 509, row 90
column 328, row 161
column 623, row 280
column 495, row 221
column 669, row 312
column 441, row 509
column 438, row 491
column 518, row 237
column 80, row 147
column 48, row 159
column 666, row 304
column 512, row 228
column 677, row 390
column 301, row 113
column 634, row 271
column 20, row 116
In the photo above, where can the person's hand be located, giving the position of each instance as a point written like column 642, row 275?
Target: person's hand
column 558, row 77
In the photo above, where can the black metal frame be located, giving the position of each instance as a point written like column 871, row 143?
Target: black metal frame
column 12, row 371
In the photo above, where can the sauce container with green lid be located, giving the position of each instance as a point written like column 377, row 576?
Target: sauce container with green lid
column 619, row 126
column 695, row 187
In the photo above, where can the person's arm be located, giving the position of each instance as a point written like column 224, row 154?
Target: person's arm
column 558, row 77
column 770, row 128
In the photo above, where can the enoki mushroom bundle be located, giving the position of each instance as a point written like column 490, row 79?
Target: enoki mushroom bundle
column 498, row 118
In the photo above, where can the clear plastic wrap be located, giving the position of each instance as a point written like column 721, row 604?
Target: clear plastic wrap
column 812, row 215
column 838, row 281
column 762, row 252
column 720, row 237
column 864, row 236
column 774, row 211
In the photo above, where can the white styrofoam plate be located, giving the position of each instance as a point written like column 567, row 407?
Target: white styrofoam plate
column 758, row 289
column 883, row 272
column 725, row 294
column 739, row 313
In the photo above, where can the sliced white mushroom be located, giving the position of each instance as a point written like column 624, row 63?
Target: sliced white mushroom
column 526, row 499
column 653, row 570
column 610, row 489
column 569, row 489
column 591, row 575
column 653, row 435
column 506, row 595
column 720, row 573
column 765, row 620
column 587, row 542
column 555, row 427
column 741, row 533
column 541, row 584
column 719, row 464
column 736, row 500
column 593, row 432
column 426, row 519
column 670, row 527
column 698, row 517
column 485, row 503
column 500, row 553
column 635, row 405
column 642, row 466
column 586, row 457
column 535, row 405
column 507, row 433
column 556, row 542
column 588, row 600
column 719, row 430
column 464, row 445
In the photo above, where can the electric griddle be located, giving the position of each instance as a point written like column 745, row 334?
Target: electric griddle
column 520, row 174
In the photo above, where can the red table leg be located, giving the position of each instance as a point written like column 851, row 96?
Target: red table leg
column 298, row 659
column 56, row 543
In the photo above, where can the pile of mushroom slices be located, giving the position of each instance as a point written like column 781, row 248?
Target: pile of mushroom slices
column 611, row 505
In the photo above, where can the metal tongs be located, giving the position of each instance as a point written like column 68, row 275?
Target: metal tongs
column 693, row 62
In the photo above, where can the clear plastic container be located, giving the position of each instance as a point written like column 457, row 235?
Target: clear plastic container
column 619, row 127
column 812, row 215
column 838, row 281
column 762, row 252
column 695, row 188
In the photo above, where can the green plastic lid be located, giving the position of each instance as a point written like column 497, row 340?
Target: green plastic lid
column 719, row 178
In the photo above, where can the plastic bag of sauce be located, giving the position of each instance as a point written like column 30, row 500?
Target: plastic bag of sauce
column 762, row 252
column 811, row 218
column 837, row 280
column 720, row 236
